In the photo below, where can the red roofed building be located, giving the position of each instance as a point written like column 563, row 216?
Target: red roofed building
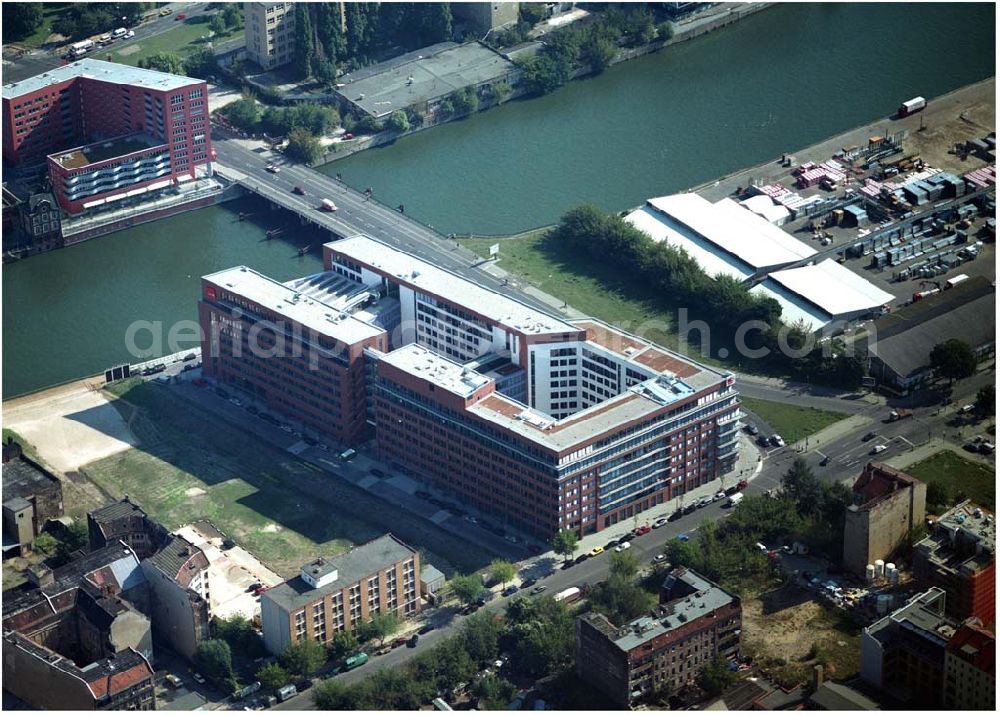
column 970, row 669
column 47, row 680
column 886, row 505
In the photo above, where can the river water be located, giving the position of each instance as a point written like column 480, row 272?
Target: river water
column 775, row 82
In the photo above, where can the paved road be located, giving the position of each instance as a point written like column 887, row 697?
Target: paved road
column 39, row 61
column 355, row 214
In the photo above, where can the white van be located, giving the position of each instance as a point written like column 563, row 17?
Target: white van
column 119, row 33
column 735, row 499
column 347, row 454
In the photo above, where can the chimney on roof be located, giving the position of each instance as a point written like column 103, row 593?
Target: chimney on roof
column 817, row 676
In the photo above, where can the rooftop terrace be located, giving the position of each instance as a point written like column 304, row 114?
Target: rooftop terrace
column 102, row 151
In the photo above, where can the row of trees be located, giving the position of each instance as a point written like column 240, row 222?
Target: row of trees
column 200, row 64
column 537, row 633
column 373, row 30
column 590, row 45
column 668, row 276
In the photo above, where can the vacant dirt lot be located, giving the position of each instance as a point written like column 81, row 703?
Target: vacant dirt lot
column 69, row 426
column 787, row 632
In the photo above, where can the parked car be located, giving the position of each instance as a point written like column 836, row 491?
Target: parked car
column 173, row 681
column 986, row 448
column 658, row 558
column 676, row 515
column 180, row 17
column 763, row 440
column 878, row 448
column 751, row 429
column 347, row 135
column 624, row 546
column 378, row 473
column 643, row 530
column 198, row 678
column 597, row 551
column 510, row 590
column 412, row 642
column 870, row 436
column 581, row 558
column 704, row 501
column 537, row 590
column 719, row 495
column 777, row 441
column 528, row 582
column 690, row 508
column 254, row 586
column 425, row 629
column 660, row 522
column 272, row 168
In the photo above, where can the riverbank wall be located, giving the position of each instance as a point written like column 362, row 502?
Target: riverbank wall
column 701, row 24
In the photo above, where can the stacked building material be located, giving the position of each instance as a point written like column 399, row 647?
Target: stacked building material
column 981, row 178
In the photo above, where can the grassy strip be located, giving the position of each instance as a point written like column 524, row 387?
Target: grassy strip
column 958, row 476
column 26, row 446
column 791, row 422
column 599, row 291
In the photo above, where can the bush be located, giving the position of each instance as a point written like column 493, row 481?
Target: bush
column 215, row 661
column 465, row 101
column 272, row 676
column 367, row 125
column 303, row 657
column 303, row 146
column 398, row 122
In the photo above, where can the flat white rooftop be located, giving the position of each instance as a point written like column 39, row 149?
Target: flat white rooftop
column 440, row 371
column 428, row 278
column 297, row 307
column 711, row 259
column 832, row 287
column 733, row 229
column 794, row 310
column 100, row 70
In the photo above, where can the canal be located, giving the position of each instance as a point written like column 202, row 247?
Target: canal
column 777, row 81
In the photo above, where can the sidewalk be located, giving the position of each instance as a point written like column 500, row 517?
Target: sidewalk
column 748, row 466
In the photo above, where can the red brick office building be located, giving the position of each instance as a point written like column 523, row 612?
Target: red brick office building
column 107, row 131
column 542, row 422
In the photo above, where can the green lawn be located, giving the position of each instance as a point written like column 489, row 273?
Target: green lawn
column 791, row 422
column 182, row 40
column 26, row 446
column 191, row 465
column 958, row 476
column 602, row 292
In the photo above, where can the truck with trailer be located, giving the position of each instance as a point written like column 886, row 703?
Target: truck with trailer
column 899, row 414
column 568, row 595
column 952, row 282
column 912, row 106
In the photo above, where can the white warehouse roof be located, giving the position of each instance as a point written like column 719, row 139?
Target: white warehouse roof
column 764, row 207
column 711, row 259
column 734, row 230
column 822, row 292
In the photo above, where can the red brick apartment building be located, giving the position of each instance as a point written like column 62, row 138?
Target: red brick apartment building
column 959, row 556
column 544, row 422
column 107, row 131
column 696, row 621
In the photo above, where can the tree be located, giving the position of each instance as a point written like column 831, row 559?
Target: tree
column 502, row 570
column 303, row 146
column 937, row 497
column 45, row 544
column 232, row 14
column 624, row 565
column 163, row 62
column 620, row 600
column 499, row 92
column 330, row 695
column 494, row 691
column 215, row 660
column 465, row 101
column 986, row 400
column 564, row 543
column 803, row 487
column 342, row 644
column 324, row 71
column 665, row 31
column 217, row 24
column 303, row 657
column 302, row 57
column 21, row 19
column 272, row 676
column 953, row 359
column 480, row 636
column 383, row 625
column 243, row 114
column 367, row 125
column 467, row 588
column 239, row 633
column 200, row 64
column 597, row 51
column 639, row 27
column 716, row 676
column 398, row 122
